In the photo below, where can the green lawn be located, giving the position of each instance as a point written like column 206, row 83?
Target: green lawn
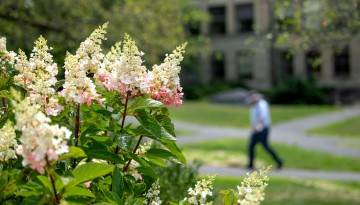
column 345, row 128
column 299, row 191
column 236, row 115
column 233, row 152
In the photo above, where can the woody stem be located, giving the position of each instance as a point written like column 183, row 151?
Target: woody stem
column 123, row 117
column 76, row 129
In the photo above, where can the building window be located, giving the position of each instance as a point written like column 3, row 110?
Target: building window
column 218, row 23
column 244, row 64
column 218, row 66
column 313, row 63
column 244, row 18
column 341, row 63
column 286, row 64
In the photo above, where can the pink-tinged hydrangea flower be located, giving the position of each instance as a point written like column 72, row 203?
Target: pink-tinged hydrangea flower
column 40, row 141
column 123, row 69
column 78, row 88
column 7, row 142
column 165, row 82
column 38, row 76
column 6, row 57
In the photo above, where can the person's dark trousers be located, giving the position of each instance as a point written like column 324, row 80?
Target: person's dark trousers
column 261, row 137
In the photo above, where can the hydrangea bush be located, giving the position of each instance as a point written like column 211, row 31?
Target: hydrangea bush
column 88, row 138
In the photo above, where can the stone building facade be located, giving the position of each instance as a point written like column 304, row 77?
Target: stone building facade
column 237, row 54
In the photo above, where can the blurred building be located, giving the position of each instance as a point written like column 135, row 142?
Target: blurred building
column 240, row 54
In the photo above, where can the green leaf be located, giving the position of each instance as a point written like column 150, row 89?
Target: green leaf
column 117, row 182
column 174, row 149
column 112, row 197
column 165, row 134
column 145, row 103
column 76, row 152
column 161, row 153
column 5, row 94
column 124, row 141
column 228, row 199
column 79, row 191
column 101, row 110
column 145, row 167
column 225, row 192
column 166, row 123
column 102, row 139
column 156, row 160
column 149, row 123
column 104, row 155
column 88, row 172
column 46, row 182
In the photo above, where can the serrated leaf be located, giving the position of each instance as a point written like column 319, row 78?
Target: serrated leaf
column 88, row 172
column 161, row 153
column 79, row 191
column 124, row 141
column 148, row 103
column 46, row 182
column 103, row 154
column 102, row 139
column 144, row 167
column 228, row 199
column 166, row 123
column 149, row 123
column 76, row 152
column 174, row 149
column 112, row 197
column 117, row 182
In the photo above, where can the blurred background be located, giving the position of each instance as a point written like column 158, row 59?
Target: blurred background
column 303, row 55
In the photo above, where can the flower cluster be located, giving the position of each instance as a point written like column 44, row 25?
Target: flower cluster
column 41, row 142
column 6, row 57
column 251, row 191
column 78, row 87
column 7, row 142
column 165, row 83
column 144, row 148
column 201, row 190
column 124, row 70
column 37, row 76
column 152, row 196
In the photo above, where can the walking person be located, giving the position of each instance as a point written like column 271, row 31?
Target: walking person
column 260, row 122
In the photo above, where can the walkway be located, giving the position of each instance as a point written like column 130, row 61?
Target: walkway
column 291, row 133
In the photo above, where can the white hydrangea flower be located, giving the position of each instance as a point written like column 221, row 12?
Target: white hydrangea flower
column 165, row 81
column 252, row 189
column 38, row 76
column 40, row 141
column 152, row 196
column 78, row 88
column 143, row 148
column 8, row 142
column 6, row 57
column 199, row 193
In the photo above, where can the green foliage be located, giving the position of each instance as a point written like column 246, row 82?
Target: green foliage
column 163, row 24
column 176, row 179
column 310, row 23
column 199, row 91
column 297, row 91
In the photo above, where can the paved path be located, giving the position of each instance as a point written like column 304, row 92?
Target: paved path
column 292, row 133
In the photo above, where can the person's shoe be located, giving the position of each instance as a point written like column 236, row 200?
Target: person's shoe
column 279, row 165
